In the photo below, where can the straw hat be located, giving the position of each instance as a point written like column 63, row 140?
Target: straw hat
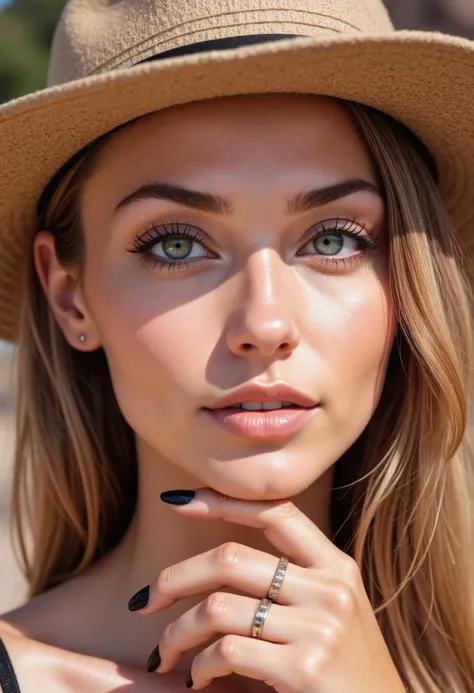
column 115, row 60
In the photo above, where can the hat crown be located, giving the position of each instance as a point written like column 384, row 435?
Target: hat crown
column 95, row 36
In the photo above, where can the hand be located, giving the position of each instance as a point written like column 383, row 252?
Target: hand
column 320, row 634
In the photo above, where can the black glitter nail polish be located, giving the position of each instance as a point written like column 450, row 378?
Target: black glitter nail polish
column 177, row 497
column 154, row 660
column 189, row 680
column 140, row 599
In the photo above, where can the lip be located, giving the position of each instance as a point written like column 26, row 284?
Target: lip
column 259, row 425
column 262, row 425
column 261, row 393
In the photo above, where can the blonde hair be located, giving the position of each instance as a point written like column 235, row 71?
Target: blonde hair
column 406, row 511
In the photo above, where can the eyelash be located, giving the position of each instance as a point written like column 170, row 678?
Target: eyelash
column 155, row 234
column 159, row 232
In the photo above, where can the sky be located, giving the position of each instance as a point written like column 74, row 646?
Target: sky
column 3, row 2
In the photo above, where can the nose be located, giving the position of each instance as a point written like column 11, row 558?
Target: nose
column 264, row 324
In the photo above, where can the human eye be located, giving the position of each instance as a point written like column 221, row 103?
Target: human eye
column 339, row 242
column 171, row 246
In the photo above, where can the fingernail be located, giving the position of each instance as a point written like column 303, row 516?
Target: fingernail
column 177, row 497
column 189, row 680
column 140, row 599
column 154, row 660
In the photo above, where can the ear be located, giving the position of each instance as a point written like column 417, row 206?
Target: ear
column 64, row 294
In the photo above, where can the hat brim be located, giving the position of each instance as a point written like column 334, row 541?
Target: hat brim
column 425, row 80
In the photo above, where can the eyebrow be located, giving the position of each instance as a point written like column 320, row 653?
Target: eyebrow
column 216, row 204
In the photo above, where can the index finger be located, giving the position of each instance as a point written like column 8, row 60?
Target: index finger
column 282, row 522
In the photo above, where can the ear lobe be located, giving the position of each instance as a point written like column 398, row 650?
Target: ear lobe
column 64, row 294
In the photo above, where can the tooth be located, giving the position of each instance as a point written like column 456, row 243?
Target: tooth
column 261, row 406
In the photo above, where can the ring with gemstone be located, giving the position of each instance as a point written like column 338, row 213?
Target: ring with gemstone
column 261, row 613
column 278, row 578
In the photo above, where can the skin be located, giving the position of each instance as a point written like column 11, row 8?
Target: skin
column 175, row 344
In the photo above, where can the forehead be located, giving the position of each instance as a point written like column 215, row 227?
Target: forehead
column 283, row 133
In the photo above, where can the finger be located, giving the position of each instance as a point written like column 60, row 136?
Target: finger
column 223, row 613
column 285, row 526
column 232, row 565
column 254, row 659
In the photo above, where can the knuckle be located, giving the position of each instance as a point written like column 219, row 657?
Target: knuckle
column 330, row 636
column 325, row 632
column 308, row 669
column 228, row 555
column 343, row 599
column 221, row 499
column 227, row 648
column 286, row 509
column 215, row 606
column 165, row 580
column 166, row 636
column 351, row 572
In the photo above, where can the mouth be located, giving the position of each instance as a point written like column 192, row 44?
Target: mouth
column 262, row 420
column 259, row 411
column 264, row 406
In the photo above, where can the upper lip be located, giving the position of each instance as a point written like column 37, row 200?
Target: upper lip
column 278, row 392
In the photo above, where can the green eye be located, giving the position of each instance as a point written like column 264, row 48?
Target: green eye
column 338, row 240
column 172, row 246
column 177, row 248
column 329, row 244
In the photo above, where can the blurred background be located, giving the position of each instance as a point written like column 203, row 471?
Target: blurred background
column 26, row 29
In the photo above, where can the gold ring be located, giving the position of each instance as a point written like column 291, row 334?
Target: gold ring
column 278, row 578
column 261, row 613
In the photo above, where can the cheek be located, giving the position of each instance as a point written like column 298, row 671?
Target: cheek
column 155, row 345
column 366, row 322
column 355, row 331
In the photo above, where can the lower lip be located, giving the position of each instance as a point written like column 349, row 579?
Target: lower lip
column 278, row 423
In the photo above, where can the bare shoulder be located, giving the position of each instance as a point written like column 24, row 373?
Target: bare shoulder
column 31, row 660
column 41, row 667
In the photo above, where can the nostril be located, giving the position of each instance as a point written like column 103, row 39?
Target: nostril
column 284, row 346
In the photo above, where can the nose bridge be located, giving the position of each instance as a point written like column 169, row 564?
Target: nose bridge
column 265, row 275
column 265, row 320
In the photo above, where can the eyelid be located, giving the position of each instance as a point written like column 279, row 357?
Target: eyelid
column 350, row 226
column 145, row 240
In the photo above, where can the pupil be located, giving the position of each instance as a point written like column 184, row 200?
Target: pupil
column 330, row 244
column 177, row 248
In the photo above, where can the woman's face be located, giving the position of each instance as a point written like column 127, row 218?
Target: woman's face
column 270, row 284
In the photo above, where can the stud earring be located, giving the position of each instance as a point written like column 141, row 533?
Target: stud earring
column 82, row 337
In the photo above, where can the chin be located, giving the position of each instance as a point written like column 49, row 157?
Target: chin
column 269, row 483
